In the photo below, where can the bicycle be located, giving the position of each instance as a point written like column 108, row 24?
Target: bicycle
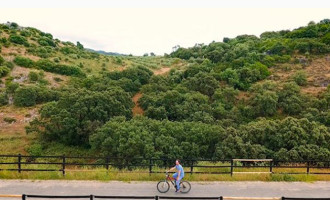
column 164, row 186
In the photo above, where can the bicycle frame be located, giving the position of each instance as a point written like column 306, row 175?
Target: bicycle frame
column 170, row 179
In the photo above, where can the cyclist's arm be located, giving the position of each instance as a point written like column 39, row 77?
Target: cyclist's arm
column 172, row 169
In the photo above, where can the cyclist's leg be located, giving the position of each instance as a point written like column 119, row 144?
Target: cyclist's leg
column 178, row 183
column 175, row 175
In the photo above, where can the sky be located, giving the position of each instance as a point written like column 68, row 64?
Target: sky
column 143, row 26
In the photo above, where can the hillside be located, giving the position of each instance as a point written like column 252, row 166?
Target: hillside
column 245, row 97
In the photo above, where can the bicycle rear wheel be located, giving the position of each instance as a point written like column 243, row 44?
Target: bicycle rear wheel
column 163, row 186
column 185, row 186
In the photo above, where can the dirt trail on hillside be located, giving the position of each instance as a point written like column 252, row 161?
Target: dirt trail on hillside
column 137, row 110
column 162, row 71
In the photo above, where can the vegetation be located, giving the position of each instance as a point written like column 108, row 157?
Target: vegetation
column 218, row 101
column 140, row 175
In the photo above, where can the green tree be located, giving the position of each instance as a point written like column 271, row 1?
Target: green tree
column 265, row 103
column 79, row 113
column 80, row 46
column 290, row 99
column 203, row 83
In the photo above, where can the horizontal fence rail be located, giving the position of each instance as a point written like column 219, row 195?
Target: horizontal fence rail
column 63, row 164
column 92, row 197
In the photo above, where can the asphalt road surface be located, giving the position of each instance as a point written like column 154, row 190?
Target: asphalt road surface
column 200, row 189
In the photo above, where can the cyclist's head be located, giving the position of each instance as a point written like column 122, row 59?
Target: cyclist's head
column 177, row 162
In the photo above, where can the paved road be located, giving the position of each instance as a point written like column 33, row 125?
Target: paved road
column 234, row 189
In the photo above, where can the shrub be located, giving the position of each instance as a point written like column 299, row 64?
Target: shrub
column 13, row 25
column 46, row 41
column 33, row 76
column 11, row 87
column 25, row 33
column 43, row 81
column 25, row 96
column 3, row 98
column 2, row 60
column 43, row 94
column 300, row 78
column 68, row 50
column 35, row 150
column 17, row 39
column 4, row 71
column 50, row 66
column 10, row 65
column 57, row 79
column 9, row 120
column 24, row 62
column 57, row 60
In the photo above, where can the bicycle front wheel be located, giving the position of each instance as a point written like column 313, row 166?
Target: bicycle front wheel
column 185, row 186
column 163, row 186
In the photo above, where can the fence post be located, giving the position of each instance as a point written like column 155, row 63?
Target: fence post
column 150, row 166
column 156, row 197
column 63, row 165
column 107, row 160
column 308, row 162
column 231, row 167
column 192, row 166
column 164, row 163
column 271, row 167
column 19, row 163
column 91, row 197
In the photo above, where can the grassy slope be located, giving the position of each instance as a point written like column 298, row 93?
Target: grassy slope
column 13, row 138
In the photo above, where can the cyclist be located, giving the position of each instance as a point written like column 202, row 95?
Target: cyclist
column 179, row 175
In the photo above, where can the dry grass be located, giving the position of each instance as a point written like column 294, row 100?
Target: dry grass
column 23, row 73
column 318, row 74
column 22, row 115
column 162, row 71
column 141, row 174
column 13, row 138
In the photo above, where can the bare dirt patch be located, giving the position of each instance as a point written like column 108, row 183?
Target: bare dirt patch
column 137, row 110
column 319, row 72
column 12, row 50
column 243, row 96
column 162, row 71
